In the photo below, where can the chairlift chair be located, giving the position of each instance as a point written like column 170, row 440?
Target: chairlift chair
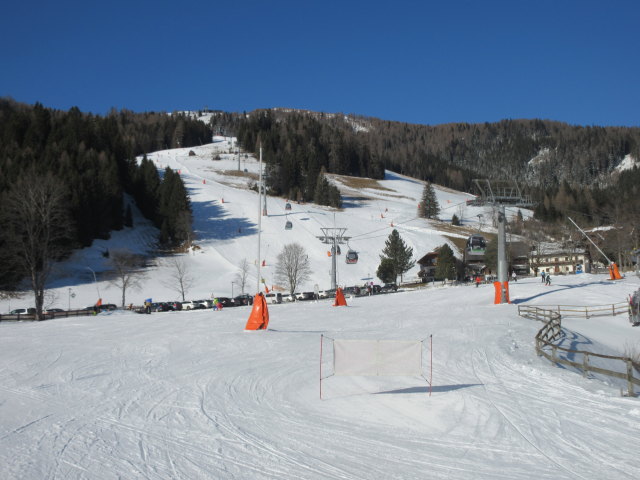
column 288, row 225
column 287, row 206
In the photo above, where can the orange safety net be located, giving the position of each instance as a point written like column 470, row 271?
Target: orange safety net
column 340, row 300
column 498, row 297
column 259, row 318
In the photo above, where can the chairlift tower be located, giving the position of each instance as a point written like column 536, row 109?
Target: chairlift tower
column 333, row 237
column 499, row 194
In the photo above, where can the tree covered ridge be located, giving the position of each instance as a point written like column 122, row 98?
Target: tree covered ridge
column 93, row 158
column 563, row 166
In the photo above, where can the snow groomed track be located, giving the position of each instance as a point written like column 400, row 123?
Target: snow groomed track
column 191, row 395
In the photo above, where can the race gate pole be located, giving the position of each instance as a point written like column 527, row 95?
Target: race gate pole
column 431, row 363
column 321, row 335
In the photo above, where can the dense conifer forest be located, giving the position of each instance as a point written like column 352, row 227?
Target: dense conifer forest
column 565, row 168
column 92, row 158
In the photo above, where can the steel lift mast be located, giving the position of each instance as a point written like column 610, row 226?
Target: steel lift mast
column 333, row 237
column 499, row 194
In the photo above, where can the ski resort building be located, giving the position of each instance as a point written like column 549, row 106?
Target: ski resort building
column 560, row 262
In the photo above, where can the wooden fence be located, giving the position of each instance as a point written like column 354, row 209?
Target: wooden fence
column 581, row 311
column 551, row 332
column 22, row 317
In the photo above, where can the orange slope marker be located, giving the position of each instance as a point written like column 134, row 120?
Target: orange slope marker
column 259, row 318
column 340, row 300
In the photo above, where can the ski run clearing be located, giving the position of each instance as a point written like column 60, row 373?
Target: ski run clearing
column 191, row 395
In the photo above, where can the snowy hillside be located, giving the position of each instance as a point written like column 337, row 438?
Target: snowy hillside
column 225, row 221
column 191, row 395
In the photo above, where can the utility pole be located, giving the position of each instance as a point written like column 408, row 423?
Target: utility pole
column 259, row 214
column 333, row 237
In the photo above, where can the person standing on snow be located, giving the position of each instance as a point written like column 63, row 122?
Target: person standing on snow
column 514, row 276
column 548, row 279
column 542, row 275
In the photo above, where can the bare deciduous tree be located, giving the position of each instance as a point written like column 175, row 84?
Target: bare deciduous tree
column 127, row 269
column 242, row 276
column 180, row 279
column 36, row 227
column 293, row 266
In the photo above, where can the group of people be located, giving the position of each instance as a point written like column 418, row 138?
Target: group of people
column 546, row 278
column 216, row 304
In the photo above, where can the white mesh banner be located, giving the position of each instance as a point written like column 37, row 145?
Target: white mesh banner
column 377, row 357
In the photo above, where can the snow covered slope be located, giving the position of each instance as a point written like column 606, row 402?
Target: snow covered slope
column 226, row 222
column 186, row 395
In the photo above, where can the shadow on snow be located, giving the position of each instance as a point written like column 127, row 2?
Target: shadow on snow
column 555, row 290
column 212, row 223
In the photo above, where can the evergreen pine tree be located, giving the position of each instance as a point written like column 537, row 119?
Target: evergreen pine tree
column 398, row 253
column 455, row 220
column 428, row 207
column 386, row 271
column 446, row 266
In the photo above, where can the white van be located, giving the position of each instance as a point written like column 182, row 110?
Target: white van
column 273, row 297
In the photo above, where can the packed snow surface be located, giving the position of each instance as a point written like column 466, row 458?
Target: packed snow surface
column 192, row 395
column 188, row 395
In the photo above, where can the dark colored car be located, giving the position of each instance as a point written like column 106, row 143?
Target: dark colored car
column 352, row 291
column 244, row 299
column 107, row 307
column 389, row 287
column 226, row 302
column 162, row 307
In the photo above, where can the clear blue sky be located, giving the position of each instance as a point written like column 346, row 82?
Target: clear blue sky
column 426, row 62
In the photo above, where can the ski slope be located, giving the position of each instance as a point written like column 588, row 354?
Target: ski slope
column 188, row 395
column 191, row 395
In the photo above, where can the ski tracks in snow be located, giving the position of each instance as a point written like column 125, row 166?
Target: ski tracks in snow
column 574, row 457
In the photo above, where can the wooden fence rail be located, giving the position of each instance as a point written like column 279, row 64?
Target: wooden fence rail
column 551, row 332
column 582, row 311
column 21, row 317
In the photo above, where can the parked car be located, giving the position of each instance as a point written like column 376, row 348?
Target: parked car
column 389, row 287
column 305, row 296
column 328, row 293
column 107, row 307
column 226, row 302
column 351, row 290
column 53, row 310
column 161, row 307
column 244, row 299
column 189, row 305
column 204, row 303
column 23, row 311
column 273, row 297
column 288, row 297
